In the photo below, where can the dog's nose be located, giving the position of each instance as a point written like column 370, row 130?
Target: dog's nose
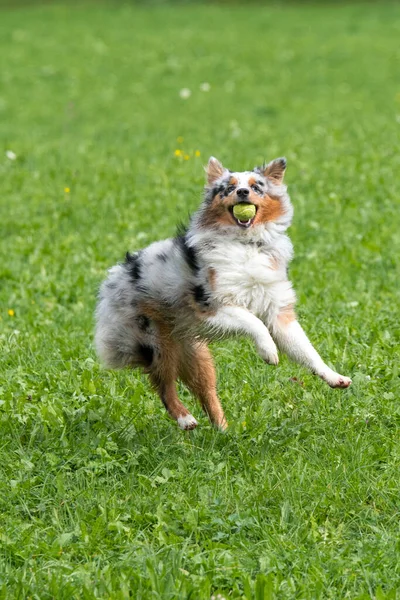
column 242, row 192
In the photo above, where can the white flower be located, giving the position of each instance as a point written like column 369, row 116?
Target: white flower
column 185, row 93
column 11, row 155
column 205, row 87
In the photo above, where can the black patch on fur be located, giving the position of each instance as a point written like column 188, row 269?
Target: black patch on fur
column 133, row 265
column 141, row 289
column 162, row 256
column 201, row 296
column 129, row 258
column 250, row 242
column 189, row 253
column 143, row 322
column 218, row 189
column 283, row 162
column 257, row 188
column 224, row 189
column 146, row 354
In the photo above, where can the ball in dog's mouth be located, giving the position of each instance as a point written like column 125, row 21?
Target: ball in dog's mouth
column 244, row 213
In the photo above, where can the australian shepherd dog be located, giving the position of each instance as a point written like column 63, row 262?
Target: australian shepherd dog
column 221, row 276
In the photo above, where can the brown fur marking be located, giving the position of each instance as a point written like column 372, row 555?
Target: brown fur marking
column 163, row 372
column 192, row 362
column 196, row 369
column 217, row 212
column 157, row 313
column 163, row 376
column 269, row 209
column 274, row 263
column 212, row 278
column 201, row 312
column 287, row 315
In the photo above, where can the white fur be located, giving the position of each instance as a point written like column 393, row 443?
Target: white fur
column 245, row 275
column 187, row 422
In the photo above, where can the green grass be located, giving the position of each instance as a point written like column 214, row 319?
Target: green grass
column 101, row 496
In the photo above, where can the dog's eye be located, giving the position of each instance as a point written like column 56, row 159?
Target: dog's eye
column 256, row 188
column 230, row 189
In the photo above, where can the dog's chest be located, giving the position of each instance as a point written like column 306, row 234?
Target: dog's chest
column 245, row 275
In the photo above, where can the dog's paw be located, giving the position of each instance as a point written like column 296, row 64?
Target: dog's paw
column 269, row 354
column 187, row 422
column 335, row 380
column 341, row 382
column 222, row 425
column 273, row 359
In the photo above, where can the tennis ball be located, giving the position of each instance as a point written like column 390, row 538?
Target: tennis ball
column 244, row 212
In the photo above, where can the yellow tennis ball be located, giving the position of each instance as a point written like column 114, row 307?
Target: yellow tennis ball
column 244, row 212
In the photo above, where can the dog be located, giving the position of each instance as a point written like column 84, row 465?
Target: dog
column 220, row 276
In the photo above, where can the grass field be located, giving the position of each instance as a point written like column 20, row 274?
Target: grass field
column 101, row 496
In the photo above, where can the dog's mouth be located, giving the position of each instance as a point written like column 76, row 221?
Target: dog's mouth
column 244, row 221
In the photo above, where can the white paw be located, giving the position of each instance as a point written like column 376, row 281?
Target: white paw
column 187, row 422
column 269, row 354
column 335, row 380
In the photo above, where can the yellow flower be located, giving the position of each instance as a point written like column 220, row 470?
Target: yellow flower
column 178, row 152
column 67, row 190
column 179, row 139
column 244, row 424
column 186, row 157
column 197, row 153
column 11, row 312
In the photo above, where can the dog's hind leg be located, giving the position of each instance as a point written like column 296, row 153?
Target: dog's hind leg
column 163, row 374
column 164, row 368
column 196, row 369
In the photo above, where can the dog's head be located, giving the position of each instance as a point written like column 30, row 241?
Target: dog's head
column 263, row 188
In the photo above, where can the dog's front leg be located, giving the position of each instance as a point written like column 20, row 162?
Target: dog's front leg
column 291, row 339
column 236, row 320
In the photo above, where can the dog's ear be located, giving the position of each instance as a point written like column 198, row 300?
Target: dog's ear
column 275, row 170
column 214, row 170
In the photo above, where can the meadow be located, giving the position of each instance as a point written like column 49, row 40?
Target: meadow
column 101, row 496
